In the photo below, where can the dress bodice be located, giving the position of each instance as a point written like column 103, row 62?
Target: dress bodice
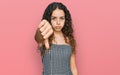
column 56, row 61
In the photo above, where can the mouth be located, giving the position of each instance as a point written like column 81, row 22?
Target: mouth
column 57, row 27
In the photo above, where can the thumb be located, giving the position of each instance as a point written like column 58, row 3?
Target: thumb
column 46, row 43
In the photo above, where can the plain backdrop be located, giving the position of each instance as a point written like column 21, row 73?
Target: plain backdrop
column 96, row 26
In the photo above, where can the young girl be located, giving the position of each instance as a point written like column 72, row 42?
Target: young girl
column 56, row 42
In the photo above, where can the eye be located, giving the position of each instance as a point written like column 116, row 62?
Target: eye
column 62, row 18
column 53, row 18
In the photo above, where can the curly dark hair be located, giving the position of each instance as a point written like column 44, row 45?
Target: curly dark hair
column 67, row 29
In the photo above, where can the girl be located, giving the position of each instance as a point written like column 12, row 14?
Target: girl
column 56, row 42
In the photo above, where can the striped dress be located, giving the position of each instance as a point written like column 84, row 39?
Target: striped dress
column 57, row 60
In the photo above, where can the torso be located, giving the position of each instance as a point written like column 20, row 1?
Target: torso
column 57, row 60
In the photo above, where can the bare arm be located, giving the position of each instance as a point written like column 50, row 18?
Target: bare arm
column 43, row 32
column 73, row 65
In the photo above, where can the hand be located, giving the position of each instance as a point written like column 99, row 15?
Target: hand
column 45, row 29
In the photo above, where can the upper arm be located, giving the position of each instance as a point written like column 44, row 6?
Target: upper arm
column 73, row 65
column 73, row 61
column 40, row 46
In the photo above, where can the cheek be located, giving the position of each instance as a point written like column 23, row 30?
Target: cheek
column 63, row 23
column 53, row 23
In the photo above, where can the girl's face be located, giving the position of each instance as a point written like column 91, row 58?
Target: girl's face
column 58, row 19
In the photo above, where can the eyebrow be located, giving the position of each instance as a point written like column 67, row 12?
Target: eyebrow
column 55, row 16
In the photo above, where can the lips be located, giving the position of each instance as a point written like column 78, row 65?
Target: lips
column 57, row 27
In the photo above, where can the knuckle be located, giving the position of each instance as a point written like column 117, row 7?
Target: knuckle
column 49, row 27
column 40, row 30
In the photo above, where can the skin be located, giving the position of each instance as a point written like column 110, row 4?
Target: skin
column 57, row 23
column 46, row 31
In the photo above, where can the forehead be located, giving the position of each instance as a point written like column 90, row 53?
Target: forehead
column 58, row 12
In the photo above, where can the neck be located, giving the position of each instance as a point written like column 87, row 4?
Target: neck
column 59, row 38
column 58, row 34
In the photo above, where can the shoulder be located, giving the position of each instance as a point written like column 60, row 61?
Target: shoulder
column 68, row 40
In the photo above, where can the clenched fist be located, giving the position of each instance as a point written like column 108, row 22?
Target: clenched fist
column 46, row 31
column 45, row 28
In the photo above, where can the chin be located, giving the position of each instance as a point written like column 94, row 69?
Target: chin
column 58, row 30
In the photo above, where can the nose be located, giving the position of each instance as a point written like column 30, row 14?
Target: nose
column 58, row 22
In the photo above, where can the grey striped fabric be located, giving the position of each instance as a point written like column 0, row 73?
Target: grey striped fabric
column 57, row 60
